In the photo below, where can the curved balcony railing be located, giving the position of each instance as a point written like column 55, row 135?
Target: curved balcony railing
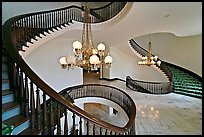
column 150, row 87
column 19, row 30
column 108, row 92
column 108, row 11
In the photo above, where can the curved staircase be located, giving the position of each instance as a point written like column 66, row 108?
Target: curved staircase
column 183, row 81
column 10, row 107
column 29, row 105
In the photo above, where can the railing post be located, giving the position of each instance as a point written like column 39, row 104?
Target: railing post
column 32, row 106
column 26, row 98
column 38, row 120
column 45, row 129
column 22, row 93
column 66, row 122
column 58, row 120
column 80, row 126
column 73, row 127
column 87, row 127
column 51, row 118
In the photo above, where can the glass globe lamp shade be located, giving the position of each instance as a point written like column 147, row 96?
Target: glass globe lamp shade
column 70, row 60
column 159, row 63
column 63, row 60
column 108, row 59
column 101, row 47
column 94, row 59
column 77, row 45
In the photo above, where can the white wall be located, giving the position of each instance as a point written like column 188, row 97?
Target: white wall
column 125, row 63
column 10, row 9
column 182, row 51
column 44, row 60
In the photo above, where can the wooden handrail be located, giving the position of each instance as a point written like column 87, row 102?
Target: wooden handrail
column 78, row 92
column 12, row 41
column 149, row 86
column 144, row 52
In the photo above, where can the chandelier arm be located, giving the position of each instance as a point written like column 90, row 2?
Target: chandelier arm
column 86, row 55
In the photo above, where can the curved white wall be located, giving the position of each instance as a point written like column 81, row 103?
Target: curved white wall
column 44, row 60
column 182, row 51
column 126, row 64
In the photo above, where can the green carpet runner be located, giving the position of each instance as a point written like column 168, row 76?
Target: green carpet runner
column 185, row 83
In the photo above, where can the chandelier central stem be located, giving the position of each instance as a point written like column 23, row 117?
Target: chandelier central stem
column 86, row 55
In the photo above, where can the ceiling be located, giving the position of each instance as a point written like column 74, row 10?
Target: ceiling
column 179, row 18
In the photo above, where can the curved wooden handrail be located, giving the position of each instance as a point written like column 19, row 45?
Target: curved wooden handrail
column 10, row 45
column 144, row 52
column 130, row 111
column 103, row 7
column 150, row 85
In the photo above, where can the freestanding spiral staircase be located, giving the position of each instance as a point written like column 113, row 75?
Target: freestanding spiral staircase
column 181, row 80
column 29, row 105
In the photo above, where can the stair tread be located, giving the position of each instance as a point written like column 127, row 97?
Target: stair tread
column 6, row 92
column 5, row 80
column 29, row 131
column 9, row 106
column 16, row 120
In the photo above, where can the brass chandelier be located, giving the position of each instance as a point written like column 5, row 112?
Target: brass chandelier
column 86, row 55
column 149, row 59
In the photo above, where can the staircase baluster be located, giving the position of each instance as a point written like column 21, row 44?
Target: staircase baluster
column 32, row 106
column 66, row 122
column 106, row 132
column 87, row 127
column 100, row 130
column 45, row 129
column 51, row 118
column 58, row 119
column 94, row 128
column 38, row 120
column 80, row 126
column 21, row 93
column 26, row 98
column 73, row 128
column 16, row 88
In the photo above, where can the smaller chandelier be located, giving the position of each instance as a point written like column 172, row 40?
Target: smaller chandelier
column 86, row 55
column 149, row 59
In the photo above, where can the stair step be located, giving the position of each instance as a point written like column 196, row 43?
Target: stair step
column 19, row 122
column 5, row 85
column 4, row 75
column 5, row 80
column 4, row 66
column 8, row 106
column 6, row 92
column 10, row 109
column 7, row 98
column 30, row 131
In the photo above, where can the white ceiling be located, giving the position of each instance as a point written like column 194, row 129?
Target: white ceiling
column 179, row 18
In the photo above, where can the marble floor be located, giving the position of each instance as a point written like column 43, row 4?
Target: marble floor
column 170, row 114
